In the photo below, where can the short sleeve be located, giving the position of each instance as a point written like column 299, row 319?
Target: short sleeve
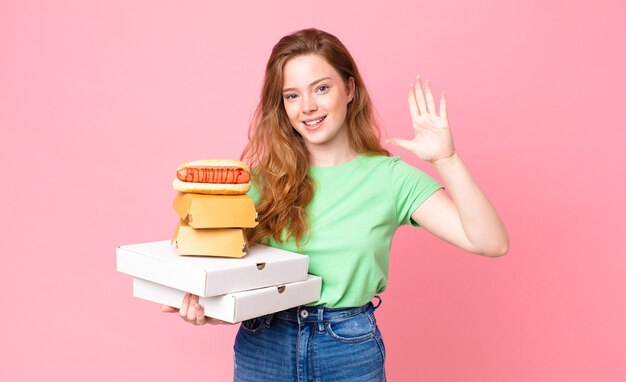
column 411, row 187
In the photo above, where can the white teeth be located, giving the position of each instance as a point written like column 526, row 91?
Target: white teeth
column 311, row 123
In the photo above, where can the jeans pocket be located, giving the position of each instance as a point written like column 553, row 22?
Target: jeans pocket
column 360, row 327
column 381, row 344
column 253, row 325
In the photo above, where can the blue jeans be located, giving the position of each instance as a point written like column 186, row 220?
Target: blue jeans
column 311, row 344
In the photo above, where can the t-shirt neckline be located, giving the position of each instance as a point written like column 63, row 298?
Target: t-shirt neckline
column 336, row 167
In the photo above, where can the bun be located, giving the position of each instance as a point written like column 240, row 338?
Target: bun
column 211, row 188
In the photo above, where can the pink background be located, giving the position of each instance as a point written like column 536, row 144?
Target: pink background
column 100, row 101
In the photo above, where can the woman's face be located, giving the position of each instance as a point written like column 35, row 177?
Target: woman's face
column 316, row 101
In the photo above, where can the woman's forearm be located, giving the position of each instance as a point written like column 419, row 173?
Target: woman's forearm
column 479, row 219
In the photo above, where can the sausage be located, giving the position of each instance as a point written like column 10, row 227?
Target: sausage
column 213, row 175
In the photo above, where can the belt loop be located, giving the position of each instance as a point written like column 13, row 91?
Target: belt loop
column 380, row 301
column 268, row 319
column 320, row 318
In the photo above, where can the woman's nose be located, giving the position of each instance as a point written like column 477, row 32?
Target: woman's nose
column 309, row 105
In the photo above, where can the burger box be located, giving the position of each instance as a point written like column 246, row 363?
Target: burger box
column 216, row 211
column 238, row 306
column 211, row 276
column 222, row 242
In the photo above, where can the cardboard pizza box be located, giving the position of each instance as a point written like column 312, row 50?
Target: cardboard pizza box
column 238, row 306
column 211, row 276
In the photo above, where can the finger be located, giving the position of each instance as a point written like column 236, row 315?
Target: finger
column 191, row 313
column 185, row 305
column 404, row 143
column 443, row 112
column 200, row 320
column 430, row 100
column 193, row 299
column 168, row 309
column 415, row 113
column 419, row 96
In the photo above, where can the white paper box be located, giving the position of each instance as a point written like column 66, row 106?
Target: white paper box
column 239, row 306
column 211, row 276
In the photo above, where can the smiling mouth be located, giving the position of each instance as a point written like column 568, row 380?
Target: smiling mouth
column 313, row 123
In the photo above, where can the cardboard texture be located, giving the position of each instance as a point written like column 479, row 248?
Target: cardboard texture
column 221, row 242
column 211, row 276
column 236, row 307
column 216, row 211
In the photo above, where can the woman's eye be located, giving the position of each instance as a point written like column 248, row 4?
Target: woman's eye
column 322, row 88
column 290, row 97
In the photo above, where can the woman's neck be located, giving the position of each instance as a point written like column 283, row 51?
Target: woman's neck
column 319, row 157
column 332, row 152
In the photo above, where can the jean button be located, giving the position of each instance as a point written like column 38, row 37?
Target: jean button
column 304, row 313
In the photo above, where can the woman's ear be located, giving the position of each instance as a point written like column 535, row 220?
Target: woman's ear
column 350, row 87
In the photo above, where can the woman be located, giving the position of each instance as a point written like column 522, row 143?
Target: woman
column 325, row 187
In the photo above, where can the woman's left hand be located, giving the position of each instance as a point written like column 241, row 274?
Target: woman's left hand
column 432, row 140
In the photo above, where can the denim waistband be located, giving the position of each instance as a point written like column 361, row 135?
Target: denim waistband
column 315, row 313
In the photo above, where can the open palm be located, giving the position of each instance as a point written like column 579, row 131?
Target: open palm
column 432, row 140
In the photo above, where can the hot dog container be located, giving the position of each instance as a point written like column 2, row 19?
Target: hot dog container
column 216, row 211
column 220, row 242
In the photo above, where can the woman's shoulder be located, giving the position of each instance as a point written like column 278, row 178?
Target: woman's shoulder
column 394, row 169
column 385, row 169
column 382, row 162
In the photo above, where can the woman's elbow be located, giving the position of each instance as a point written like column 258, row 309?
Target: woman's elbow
column 493, row 249
column 496, row 251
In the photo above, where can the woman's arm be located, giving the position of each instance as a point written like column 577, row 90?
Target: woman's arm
column 463, row 216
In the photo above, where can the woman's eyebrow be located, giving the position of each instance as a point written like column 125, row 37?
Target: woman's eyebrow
column 311, row 84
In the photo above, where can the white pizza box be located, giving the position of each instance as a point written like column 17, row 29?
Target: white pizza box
column 211, row 276
column 239, row 306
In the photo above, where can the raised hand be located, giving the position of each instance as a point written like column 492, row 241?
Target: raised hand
column 432, row 140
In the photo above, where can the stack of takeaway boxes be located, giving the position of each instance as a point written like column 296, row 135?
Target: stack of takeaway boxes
column 208, row 256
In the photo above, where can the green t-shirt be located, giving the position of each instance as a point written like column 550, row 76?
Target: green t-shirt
column 356, row 208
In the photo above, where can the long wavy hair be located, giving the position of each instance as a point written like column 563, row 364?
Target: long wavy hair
column 276, row 151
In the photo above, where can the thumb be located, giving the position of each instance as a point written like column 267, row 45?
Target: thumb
column 404, row 143
column 168, row 309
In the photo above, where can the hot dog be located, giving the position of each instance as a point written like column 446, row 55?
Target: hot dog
column 213, row 176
